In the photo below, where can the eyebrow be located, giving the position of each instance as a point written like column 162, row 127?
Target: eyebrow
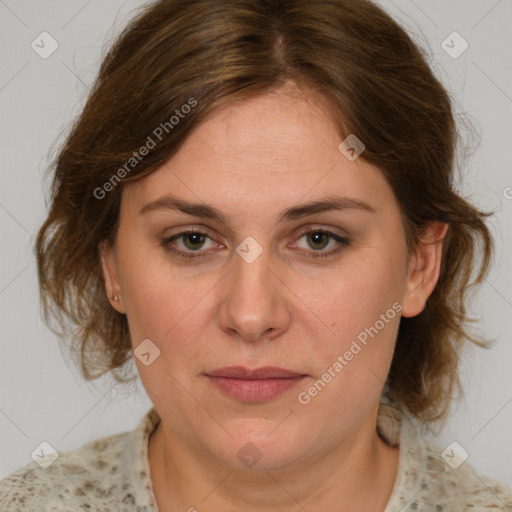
column 329, row 203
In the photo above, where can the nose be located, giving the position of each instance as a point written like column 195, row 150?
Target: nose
column 255, row 300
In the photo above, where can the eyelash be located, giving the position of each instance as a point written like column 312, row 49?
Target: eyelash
column 343, row 242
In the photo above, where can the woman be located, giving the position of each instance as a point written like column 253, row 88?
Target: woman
column 256, row 204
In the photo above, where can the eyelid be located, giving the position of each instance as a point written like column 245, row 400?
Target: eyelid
column 342, row 233
column 342, row 241
column 193, row 254
column 298, row 232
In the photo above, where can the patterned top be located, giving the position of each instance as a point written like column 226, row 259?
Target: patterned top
column 112, row 474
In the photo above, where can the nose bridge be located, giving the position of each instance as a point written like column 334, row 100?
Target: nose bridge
column 253, row 303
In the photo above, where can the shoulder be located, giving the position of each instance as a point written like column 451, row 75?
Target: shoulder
column 442, row 480
column 435, row 478
column 457, row 485
column 76, row 480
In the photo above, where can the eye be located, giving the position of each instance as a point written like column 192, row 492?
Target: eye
column 192, row 241
column 319, row 239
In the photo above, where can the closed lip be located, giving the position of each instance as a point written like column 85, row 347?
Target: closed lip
column 265, row 372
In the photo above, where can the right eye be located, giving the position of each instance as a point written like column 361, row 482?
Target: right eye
column 192, row 242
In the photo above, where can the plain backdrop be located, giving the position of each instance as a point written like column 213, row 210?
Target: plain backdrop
column 42, row 397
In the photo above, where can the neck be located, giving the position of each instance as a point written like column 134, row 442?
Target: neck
column 358, row 474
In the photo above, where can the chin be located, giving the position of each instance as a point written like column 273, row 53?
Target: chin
column 260, row 445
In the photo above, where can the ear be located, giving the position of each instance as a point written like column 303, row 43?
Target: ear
column 424, row 268
column 110, row 275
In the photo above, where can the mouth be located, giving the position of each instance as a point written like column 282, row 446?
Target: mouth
column 254, row 385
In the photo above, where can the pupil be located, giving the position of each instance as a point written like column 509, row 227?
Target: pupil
column 321, row 236
column 195, row 237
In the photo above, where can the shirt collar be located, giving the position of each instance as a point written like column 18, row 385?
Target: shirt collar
column 136, row 462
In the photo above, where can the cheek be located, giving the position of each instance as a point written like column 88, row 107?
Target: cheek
column 360, row 294
column 362, row 311
column 163, row 303
column 150, row 292
column 161, row 309
column 165, row 308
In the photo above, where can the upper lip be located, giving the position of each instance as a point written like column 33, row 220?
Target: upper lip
column 266, row 372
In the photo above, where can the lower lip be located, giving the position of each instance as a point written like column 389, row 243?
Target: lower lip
column 255, row 390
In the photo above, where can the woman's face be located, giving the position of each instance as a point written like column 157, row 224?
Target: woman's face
column 246, row 290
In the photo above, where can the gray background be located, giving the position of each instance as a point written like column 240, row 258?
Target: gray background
column 42, row 398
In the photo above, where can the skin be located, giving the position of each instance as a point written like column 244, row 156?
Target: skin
column 251, row 160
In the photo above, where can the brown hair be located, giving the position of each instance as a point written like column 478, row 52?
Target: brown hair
column 203, row 54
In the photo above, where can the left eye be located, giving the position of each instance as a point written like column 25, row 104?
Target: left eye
column 320, row 238
column 193, row 242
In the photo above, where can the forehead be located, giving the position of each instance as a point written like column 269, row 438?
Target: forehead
column 263, row 153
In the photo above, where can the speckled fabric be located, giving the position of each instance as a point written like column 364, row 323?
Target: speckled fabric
column 112, row 474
